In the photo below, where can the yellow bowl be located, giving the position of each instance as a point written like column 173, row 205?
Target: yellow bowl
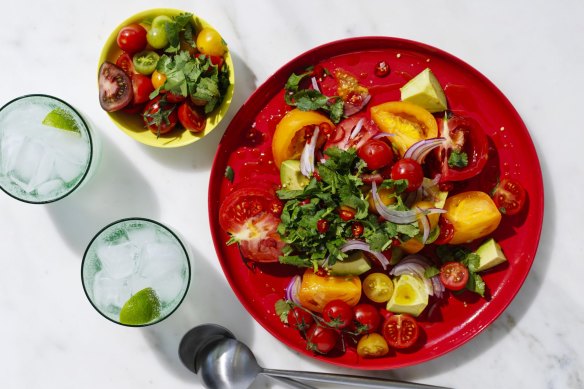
column 133, row 124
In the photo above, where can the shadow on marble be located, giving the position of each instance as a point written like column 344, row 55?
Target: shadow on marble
column 200, row 154
column 116, row 190
column 208, row 295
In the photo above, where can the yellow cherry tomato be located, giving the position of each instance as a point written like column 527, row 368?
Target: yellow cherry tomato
column 316, row 291
column 158, row 79
column 289, row 137
column 473, row 215
column 372, row 346
column 378, row 287
column 409, row 123
column 209, row 42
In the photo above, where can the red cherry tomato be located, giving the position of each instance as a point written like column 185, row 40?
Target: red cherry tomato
column 132, row 38
column 509, row 196
column 174, row 97
column 367, row 318
column 401, row 331
column 322, row 225
column 357, row 229
column 300, row 319
column 466, row 136
column 454, row 275
column 321, row 339
column 125, row 62
column 160, row 116
column 346, row 213
column 408, row 169
column 376, row 154
column 142, row 87
column 338, row 314
column 191, row 117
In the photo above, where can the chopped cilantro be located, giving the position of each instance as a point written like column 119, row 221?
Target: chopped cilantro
column 229, row 174
column 458, row 159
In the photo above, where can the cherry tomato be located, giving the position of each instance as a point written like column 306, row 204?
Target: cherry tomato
column 357, row 229
column 246, row 214
column 454, row 275
column 191, row 117
column 160, row 116
column 158, row 79
column 145, row 62
column 322, row 225
column 376, row 154
column 174, row 97
column 142, row 87
column 378, row 287
column 132, row 38
column 321, row 339
column 115, row 87
column 338, row 314
column 372, row 346
column 341, row 137
column 216, row 60
column 346, row 213
column 465, row 136
column 209, row 42
column 300, row 319
column 367, row 318
column 124, row 61
column 408, row 169
column 401, row 331
column 509, row 196
column 157, row 36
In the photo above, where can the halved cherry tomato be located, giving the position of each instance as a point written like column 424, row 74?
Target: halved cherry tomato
column 289, row 137
column 160, row 116
column 408, row 122
column 132, row 38
column 125, row 62
column 142, row 88
column 408, row 169
column 454, row 275
column 464, row 135
column 372, row 346
column 401, row 331
column 337, row 314
column 378, row 287
column 321, row 339
column 346, row 213
column 509, row 196
column 145, row 62
column 246, row 214
column 341, row 136
column 300, row 319
column 376, row 154
column 367, row 317
column 191, row 117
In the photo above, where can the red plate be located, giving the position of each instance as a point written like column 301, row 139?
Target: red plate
column 464, row 316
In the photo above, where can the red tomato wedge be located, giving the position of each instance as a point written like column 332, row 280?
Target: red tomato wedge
column 509, row 196
column 401, row 331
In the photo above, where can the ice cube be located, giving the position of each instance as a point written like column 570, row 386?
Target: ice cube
column 9, row 148
column 118, row 259
column 159, row 259
column 110, row 294
column 169, row 286
column 68, row 145
column 137, row 283
column 142, row 235
column 50, row 187
column 67, row 170
column 26, row 164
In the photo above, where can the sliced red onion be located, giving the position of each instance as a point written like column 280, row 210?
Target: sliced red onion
column 438, row 287
column 419, row 150
column 354, row 244
column 315, row 84
column 425, row 226
column 382, row 135
column 399, row 217
column 307, row 157
column 357, row 128
column 351, row 109
column 293, row 288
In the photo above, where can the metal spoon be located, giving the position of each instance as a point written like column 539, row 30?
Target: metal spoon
column 230, row 364
column 207, row 334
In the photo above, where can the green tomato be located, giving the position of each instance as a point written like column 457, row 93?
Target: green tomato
column 145, row 62
column 157, row 38
column 160, row 22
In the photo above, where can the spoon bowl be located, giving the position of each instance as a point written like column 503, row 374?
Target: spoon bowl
column 196, row 339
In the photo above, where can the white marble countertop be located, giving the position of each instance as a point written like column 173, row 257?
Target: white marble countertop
column 51, row 337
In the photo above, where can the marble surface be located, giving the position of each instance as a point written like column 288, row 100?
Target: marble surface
column 50, row 336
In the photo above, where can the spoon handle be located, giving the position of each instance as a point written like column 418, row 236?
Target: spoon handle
column 292, row 383
column 363, row 382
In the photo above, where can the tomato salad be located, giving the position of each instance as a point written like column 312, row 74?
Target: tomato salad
column 170, row 72
column 370, row 200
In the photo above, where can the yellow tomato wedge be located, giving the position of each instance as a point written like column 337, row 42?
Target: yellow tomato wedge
column 316, row 291
column 288, row 141
column 409, row 123
column 473, row 215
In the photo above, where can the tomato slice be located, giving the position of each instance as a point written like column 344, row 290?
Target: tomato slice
column 249, row 215
column 401, row 331
column 342, row 136
column 464, row 136
column 509, row 196
column 454, row 275
column 191, row 117
column 125, row 62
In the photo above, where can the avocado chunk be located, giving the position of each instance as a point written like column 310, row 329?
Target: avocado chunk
column 425, row 90
column 291, row 176
column 355, row 265
column 490, row 254
column 409, row 296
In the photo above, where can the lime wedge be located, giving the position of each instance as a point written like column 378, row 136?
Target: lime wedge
column 141, row 308
column 59, row 118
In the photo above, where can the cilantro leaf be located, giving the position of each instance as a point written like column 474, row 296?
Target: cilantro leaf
column 309, row 100
column 282, row 307
column 458, row 159
column 229, row 174
column 293, row 82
